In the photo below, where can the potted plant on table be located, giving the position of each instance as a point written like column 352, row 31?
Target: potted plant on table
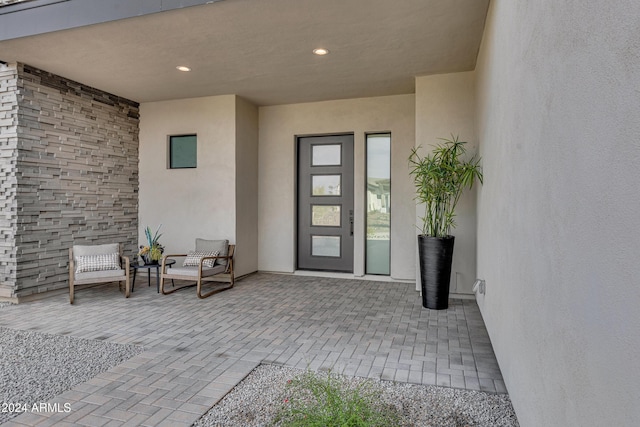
column 440, row 177
column 152, row 252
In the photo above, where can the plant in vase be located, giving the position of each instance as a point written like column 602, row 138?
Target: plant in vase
column 152, row 252
column 440, row 177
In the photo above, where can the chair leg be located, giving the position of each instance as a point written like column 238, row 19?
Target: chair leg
column 127, row 286
column 162, row 291
column 199, row 288
column 170, row 291
column 162, row 284
column 214, row 291
column 71, row 275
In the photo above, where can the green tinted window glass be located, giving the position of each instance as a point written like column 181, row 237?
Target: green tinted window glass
column 183, row 151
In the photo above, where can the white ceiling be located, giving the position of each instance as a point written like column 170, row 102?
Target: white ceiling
column 262, row 49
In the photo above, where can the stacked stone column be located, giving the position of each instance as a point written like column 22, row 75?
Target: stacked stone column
column 68, row 175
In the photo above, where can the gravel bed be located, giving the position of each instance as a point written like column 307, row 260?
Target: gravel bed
column 36, row 367
column 255, row 401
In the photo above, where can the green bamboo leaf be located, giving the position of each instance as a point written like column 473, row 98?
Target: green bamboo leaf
column 440, row 178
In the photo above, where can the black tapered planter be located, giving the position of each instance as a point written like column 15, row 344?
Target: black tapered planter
column 436, row 255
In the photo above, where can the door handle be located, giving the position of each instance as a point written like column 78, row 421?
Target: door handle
column 351, row 221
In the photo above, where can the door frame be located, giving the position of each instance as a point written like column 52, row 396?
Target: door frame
column 296, row 206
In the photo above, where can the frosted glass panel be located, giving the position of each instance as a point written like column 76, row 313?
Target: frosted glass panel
column 326, row 155
column 325, row 246
column 325, row 185
column 325, row 216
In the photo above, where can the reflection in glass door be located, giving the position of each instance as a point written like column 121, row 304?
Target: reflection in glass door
column 378, row 240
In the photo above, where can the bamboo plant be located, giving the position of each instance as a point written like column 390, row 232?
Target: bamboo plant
column 440, row 177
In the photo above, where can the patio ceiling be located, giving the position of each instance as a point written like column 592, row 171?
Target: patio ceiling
column 262, row 50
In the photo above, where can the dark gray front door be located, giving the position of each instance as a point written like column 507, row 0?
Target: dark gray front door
column 325, row 203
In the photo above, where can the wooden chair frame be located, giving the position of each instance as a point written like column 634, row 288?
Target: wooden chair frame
column 168, row 274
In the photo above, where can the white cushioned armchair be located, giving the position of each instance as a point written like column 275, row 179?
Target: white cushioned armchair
column 210, row 262
column 97, row 264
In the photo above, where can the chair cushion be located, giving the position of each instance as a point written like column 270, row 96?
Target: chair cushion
column 222, row 246
column 193, row 271
column 193, row 259
column 98, row 262
column 119, row 274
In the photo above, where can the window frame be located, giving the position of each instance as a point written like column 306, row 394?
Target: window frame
column 171, row 141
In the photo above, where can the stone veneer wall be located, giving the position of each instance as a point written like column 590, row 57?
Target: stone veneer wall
column 8, row 180
column 74, row 179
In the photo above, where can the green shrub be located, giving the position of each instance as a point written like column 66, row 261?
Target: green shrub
column 326, row 401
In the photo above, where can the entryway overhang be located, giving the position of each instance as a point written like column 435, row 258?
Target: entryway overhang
column 261, row 51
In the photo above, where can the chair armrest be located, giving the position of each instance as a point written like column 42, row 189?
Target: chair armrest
column 213, row 257
column 171, row 256
column 227, row 257
column 126, row 260
column 203, row 259
column 163, row 267
column 217, row 257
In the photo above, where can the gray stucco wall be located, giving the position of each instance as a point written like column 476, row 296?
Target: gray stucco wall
column 74, row 178
column 558, row 96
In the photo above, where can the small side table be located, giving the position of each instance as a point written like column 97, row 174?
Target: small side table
column 137, row 266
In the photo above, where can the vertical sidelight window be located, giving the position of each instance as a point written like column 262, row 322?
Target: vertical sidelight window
column 378, row 221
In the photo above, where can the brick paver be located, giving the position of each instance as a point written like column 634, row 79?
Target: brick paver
column 196, row 351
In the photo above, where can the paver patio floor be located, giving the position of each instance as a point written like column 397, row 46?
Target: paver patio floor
column 198, row 350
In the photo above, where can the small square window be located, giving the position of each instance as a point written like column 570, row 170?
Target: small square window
column 182, row 151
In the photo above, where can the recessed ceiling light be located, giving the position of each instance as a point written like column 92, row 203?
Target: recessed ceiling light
column 320, row 51
column 183, row 68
